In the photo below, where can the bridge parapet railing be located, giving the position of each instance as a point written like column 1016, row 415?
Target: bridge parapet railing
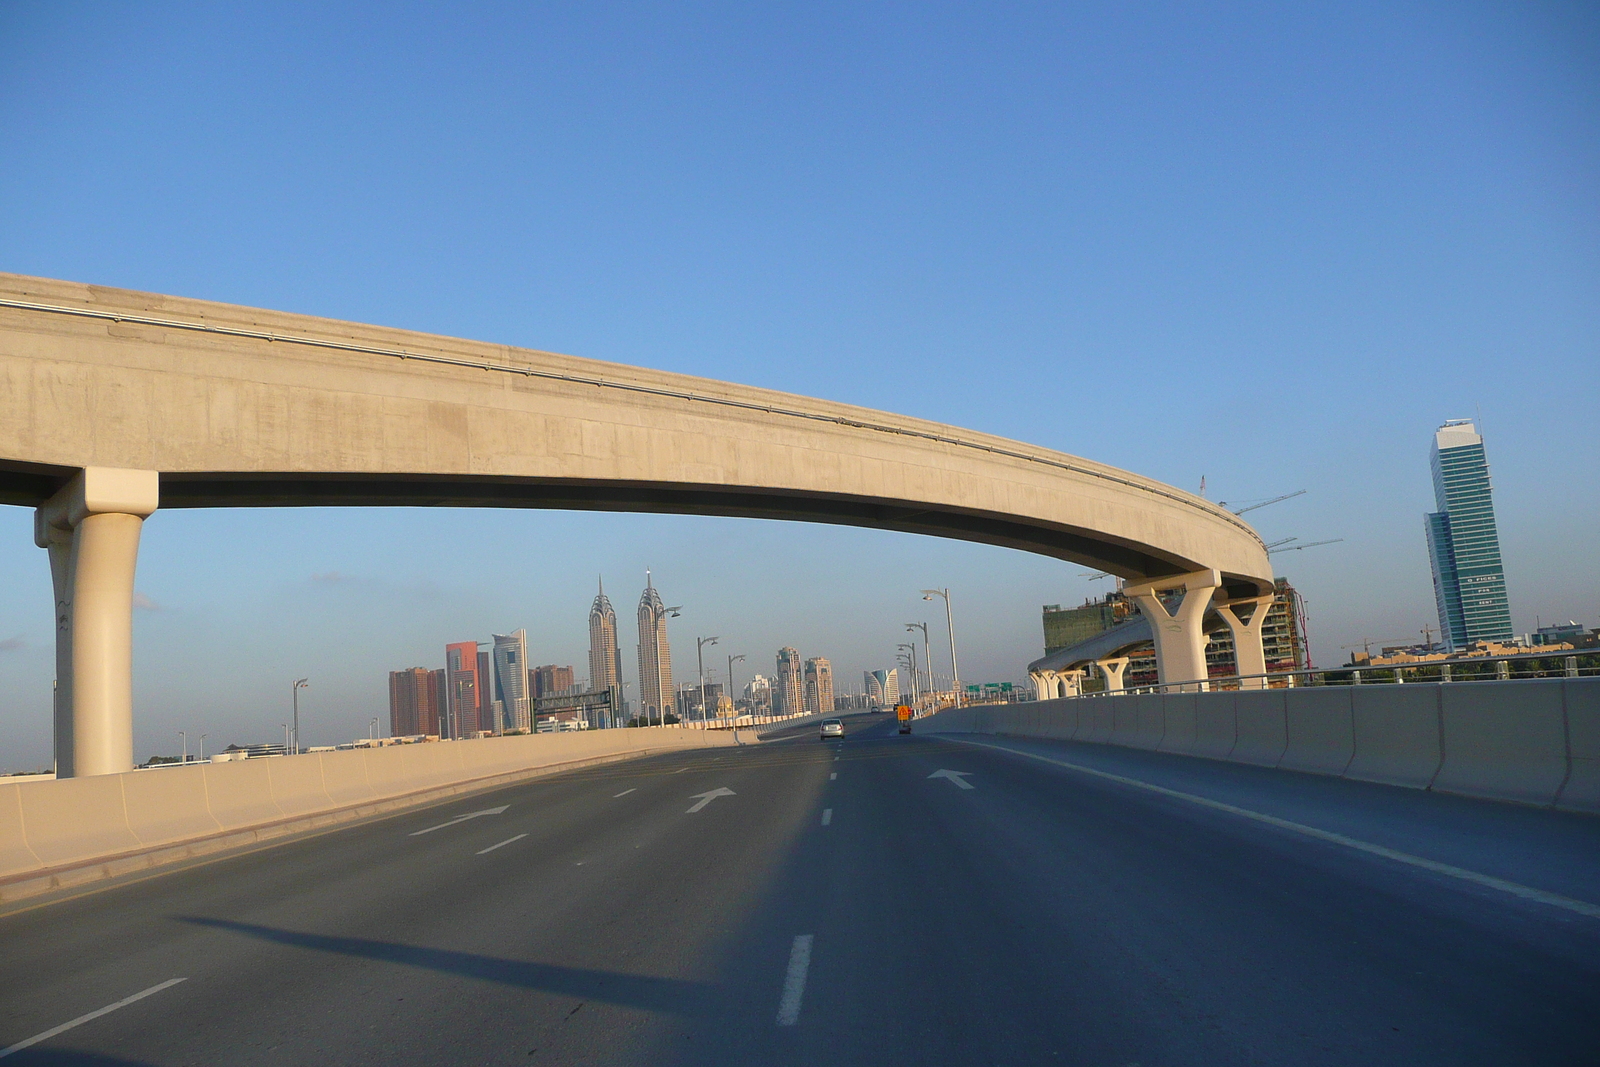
column 1583, row 664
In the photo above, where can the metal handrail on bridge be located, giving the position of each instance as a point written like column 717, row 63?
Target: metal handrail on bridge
column 1435, row 671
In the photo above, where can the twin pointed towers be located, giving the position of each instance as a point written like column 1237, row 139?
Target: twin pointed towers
column 655, row 655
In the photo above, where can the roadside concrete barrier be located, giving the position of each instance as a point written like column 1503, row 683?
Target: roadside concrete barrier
column 1581, row 700
column 1216, row 729
column 1521, row 756
column 1534, row 741
column 60, row 833
column 1260, row 726
column 1321, row 729
column 1178, row 715
column 1397, row 734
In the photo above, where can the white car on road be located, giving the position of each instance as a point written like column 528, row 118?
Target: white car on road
column 832, row 728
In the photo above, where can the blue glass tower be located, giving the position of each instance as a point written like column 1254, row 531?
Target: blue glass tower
column 1469, row 582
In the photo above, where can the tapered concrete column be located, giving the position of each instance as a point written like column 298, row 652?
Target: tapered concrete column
column 1044, row 684
column 91, row 528
column 1180, row 637
column 1112, row 669
column 1249, row 654
column 1071, row 683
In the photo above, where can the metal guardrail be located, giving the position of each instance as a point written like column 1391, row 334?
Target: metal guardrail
column 1473, row 669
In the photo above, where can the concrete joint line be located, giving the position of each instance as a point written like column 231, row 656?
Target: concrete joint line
column 1580, row 907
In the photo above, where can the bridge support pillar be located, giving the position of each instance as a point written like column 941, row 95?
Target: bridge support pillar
column 1180, row 637
column 91, row 528
column 1070, row 682
column 1249, row 654
column 1112, row 670
column 1044, row 684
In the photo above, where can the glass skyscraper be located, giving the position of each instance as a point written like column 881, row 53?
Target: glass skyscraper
column 1469, row 582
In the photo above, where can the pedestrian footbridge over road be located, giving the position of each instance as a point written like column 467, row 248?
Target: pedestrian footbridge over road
column 115, row 403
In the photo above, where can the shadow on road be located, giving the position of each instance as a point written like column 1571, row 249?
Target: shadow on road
column 671, row 995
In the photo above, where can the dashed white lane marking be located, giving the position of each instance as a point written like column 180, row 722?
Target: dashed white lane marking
column 827, row 816
column 459, row 819
column 680, row 770
column 794, row 981
column 624, row 793
column 123, row 1003
column 1582, row 907
column 834, row 776
column 507, row 841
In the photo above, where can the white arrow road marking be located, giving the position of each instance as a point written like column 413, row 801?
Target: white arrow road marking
column 706, row 798
column 954, row 776
column 507, row 841
column 461, row 819
column 93, row 1015
column 794, row 981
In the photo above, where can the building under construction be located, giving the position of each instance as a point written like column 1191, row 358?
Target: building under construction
column 1282, row 637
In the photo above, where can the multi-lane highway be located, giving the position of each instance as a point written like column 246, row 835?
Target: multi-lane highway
column 875, row 900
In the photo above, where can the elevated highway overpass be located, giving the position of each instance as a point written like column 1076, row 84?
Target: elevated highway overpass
column 114, row 403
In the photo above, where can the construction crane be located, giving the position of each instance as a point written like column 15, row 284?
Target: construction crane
column 1366, row 643
column 1285, row 546
column 1264, row 503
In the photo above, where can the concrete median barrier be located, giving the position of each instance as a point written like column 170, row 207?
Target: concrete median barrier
column 1397, row 734
column 1260, row 727
column 1321, row 729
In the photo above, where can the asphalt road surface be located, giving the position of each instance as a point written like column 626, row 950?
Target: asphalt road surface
column 842, row 902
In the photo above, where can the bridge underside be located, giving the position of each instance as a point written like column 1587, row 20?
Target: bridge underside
column 32, row 485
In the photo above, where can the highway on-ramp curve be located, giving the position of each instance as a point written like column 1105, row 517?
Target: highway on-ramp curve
column 845, row 902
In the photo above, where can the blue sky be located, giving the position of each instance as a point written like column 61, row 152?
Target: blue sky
column 1270, row 245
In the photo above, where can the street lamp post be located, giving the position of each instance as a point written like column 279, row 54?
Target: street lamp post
column 950, row 627
column 910, row 661
column 731, row 698
column 184, row 737
column 203, row 747
column 700, row 644
column 372, row 729
column 927, row 660
column 285, row 737
column 300, row 683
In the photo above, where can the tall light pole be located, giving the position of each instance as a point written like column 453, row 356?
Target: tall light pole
column 950, row 626
column 910, row 662
column 184, row 737
column 300, row 683
column 372, row 728
column 731, row 698
column 285, row 737
column 927, row 660
column 203, row 747
column 700, row 644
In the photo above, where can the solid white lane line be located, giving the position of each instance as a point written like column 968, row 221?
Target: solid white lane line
column 507, row 841
column 827, row 816
column 1582, row 907
column 834, row 776
column 794, row 981
column 625, row 792
column 107, row 1010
